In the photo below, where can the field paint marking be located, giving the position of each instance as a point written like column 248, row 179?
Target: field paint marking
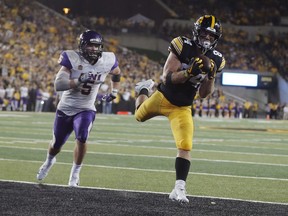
column 154, row 156
column 149, row 192
column 153, row 170
column 13, row 115
column 197, row 141
column 169, row 148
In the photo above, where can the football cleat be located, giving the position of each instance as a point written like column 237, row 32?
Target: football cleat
column 148, row 84
column 44, row 169
column 74, row 180
column 179, row 195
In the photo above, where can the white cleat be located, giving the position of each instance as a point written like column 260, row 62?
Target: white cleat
column 44, row 169
column 74, row 180
column 148, row 84
column 179, row 195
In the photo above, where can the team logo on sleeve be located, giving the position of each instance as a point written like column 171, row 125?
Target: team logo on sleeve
column 80, row 67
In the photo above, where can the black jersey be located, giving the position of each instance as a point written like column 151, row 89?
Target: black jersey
column 185, row 49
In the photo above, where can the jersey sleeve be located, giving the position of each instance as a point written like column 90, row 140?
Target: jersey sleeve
column 176, row 47
column 222, row 65
column 181, row 47
column 218, row 58
column 64, row 60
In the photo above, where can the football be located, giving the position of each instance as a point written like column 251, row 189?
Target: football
column 206, row 63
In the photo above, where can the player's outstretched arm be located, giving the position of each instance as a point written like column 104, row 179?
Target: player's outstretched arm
column 63, row 81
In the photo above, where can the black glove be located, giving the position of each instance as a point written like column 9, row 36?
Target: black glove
column 85, row 77
column 110, row 97
column 195, row 67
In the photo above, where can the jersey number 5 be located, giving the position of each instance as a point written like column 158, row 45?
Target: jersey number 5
column 86, row 88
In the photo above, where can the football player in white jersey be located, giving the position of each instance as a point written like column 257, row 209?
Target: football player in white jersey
column 79, row 79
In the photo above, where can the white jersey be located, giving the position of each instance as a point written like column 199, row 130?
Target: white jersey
column 24, row 91
column 83, row 98
column 2, row 93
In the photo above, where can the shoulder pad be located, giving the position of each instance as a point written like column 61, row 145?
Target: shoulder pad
column 183, row 48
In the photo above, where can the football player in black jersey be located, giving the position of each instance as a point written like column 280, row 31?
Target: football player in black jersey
column 183, row 77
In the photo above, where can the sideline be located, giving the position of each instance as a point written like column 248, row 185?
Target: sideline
column 147, row 192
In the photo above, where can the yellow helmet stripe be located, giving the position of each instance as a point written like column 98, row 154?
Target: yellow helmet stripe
column 212, row 21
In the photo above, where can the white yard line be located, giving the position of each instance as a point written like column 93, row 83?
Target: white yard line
column 265, row 143
column 163, row 148
column 152, row 170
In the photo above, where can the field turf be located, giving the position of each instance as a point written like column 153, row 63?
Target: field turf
column 238, row 167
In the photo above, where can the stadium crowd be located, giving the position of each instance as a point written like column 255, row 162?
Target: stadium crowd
column 32, row 39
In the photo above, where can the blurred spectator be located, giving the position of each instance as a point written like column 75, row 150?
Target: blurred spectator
column 285, row 112
column 39, row 99
column 32, row 92
column 247, row 109
column 2, row 96
column 24, row 97
column 255, row 108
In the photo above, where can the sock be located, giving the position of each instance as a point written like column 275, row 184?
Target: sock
column 144, row 91
column 75, row 168
column 49, row 158
column 182, row 167
column 180, row 184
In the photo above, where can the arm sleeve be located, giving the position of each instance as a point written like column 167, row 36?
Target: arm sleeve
column 62, row 81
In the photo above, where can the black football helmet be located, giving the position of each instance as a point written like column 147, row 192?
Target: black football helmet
column 88, row 38
column 207, row 25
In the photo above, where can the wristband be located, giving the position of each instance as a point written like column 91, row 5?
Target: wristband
column 116, row 77
column 169, row 78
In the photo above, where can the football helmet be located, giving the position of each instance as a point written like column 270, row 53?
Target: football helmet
column 91, row 46
column 206, row 32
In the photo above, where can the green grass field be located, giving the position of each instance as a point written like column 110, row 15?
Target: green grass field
column 231, row 158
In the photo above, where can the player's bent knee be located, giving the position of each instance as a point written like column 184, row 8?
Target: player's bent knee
column 138, row 117
column 186, row 146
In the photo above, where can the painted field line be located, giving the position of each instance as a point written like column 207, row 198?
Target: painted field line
column 197, row 150
column 155, row 156
column 149, row 192
column 153, row 170
column 198, row 142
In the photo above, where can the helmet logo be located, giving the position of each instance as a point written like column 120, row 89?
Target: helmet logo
column 95, row 40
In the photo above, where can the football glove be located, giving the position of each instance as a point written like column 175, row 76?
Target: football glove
column 212, row 71
column 195, row 67
column 110, row 97
column 85, row 77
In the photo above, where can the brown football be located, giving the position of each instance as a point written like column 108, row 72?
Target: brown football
column 206, row 63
